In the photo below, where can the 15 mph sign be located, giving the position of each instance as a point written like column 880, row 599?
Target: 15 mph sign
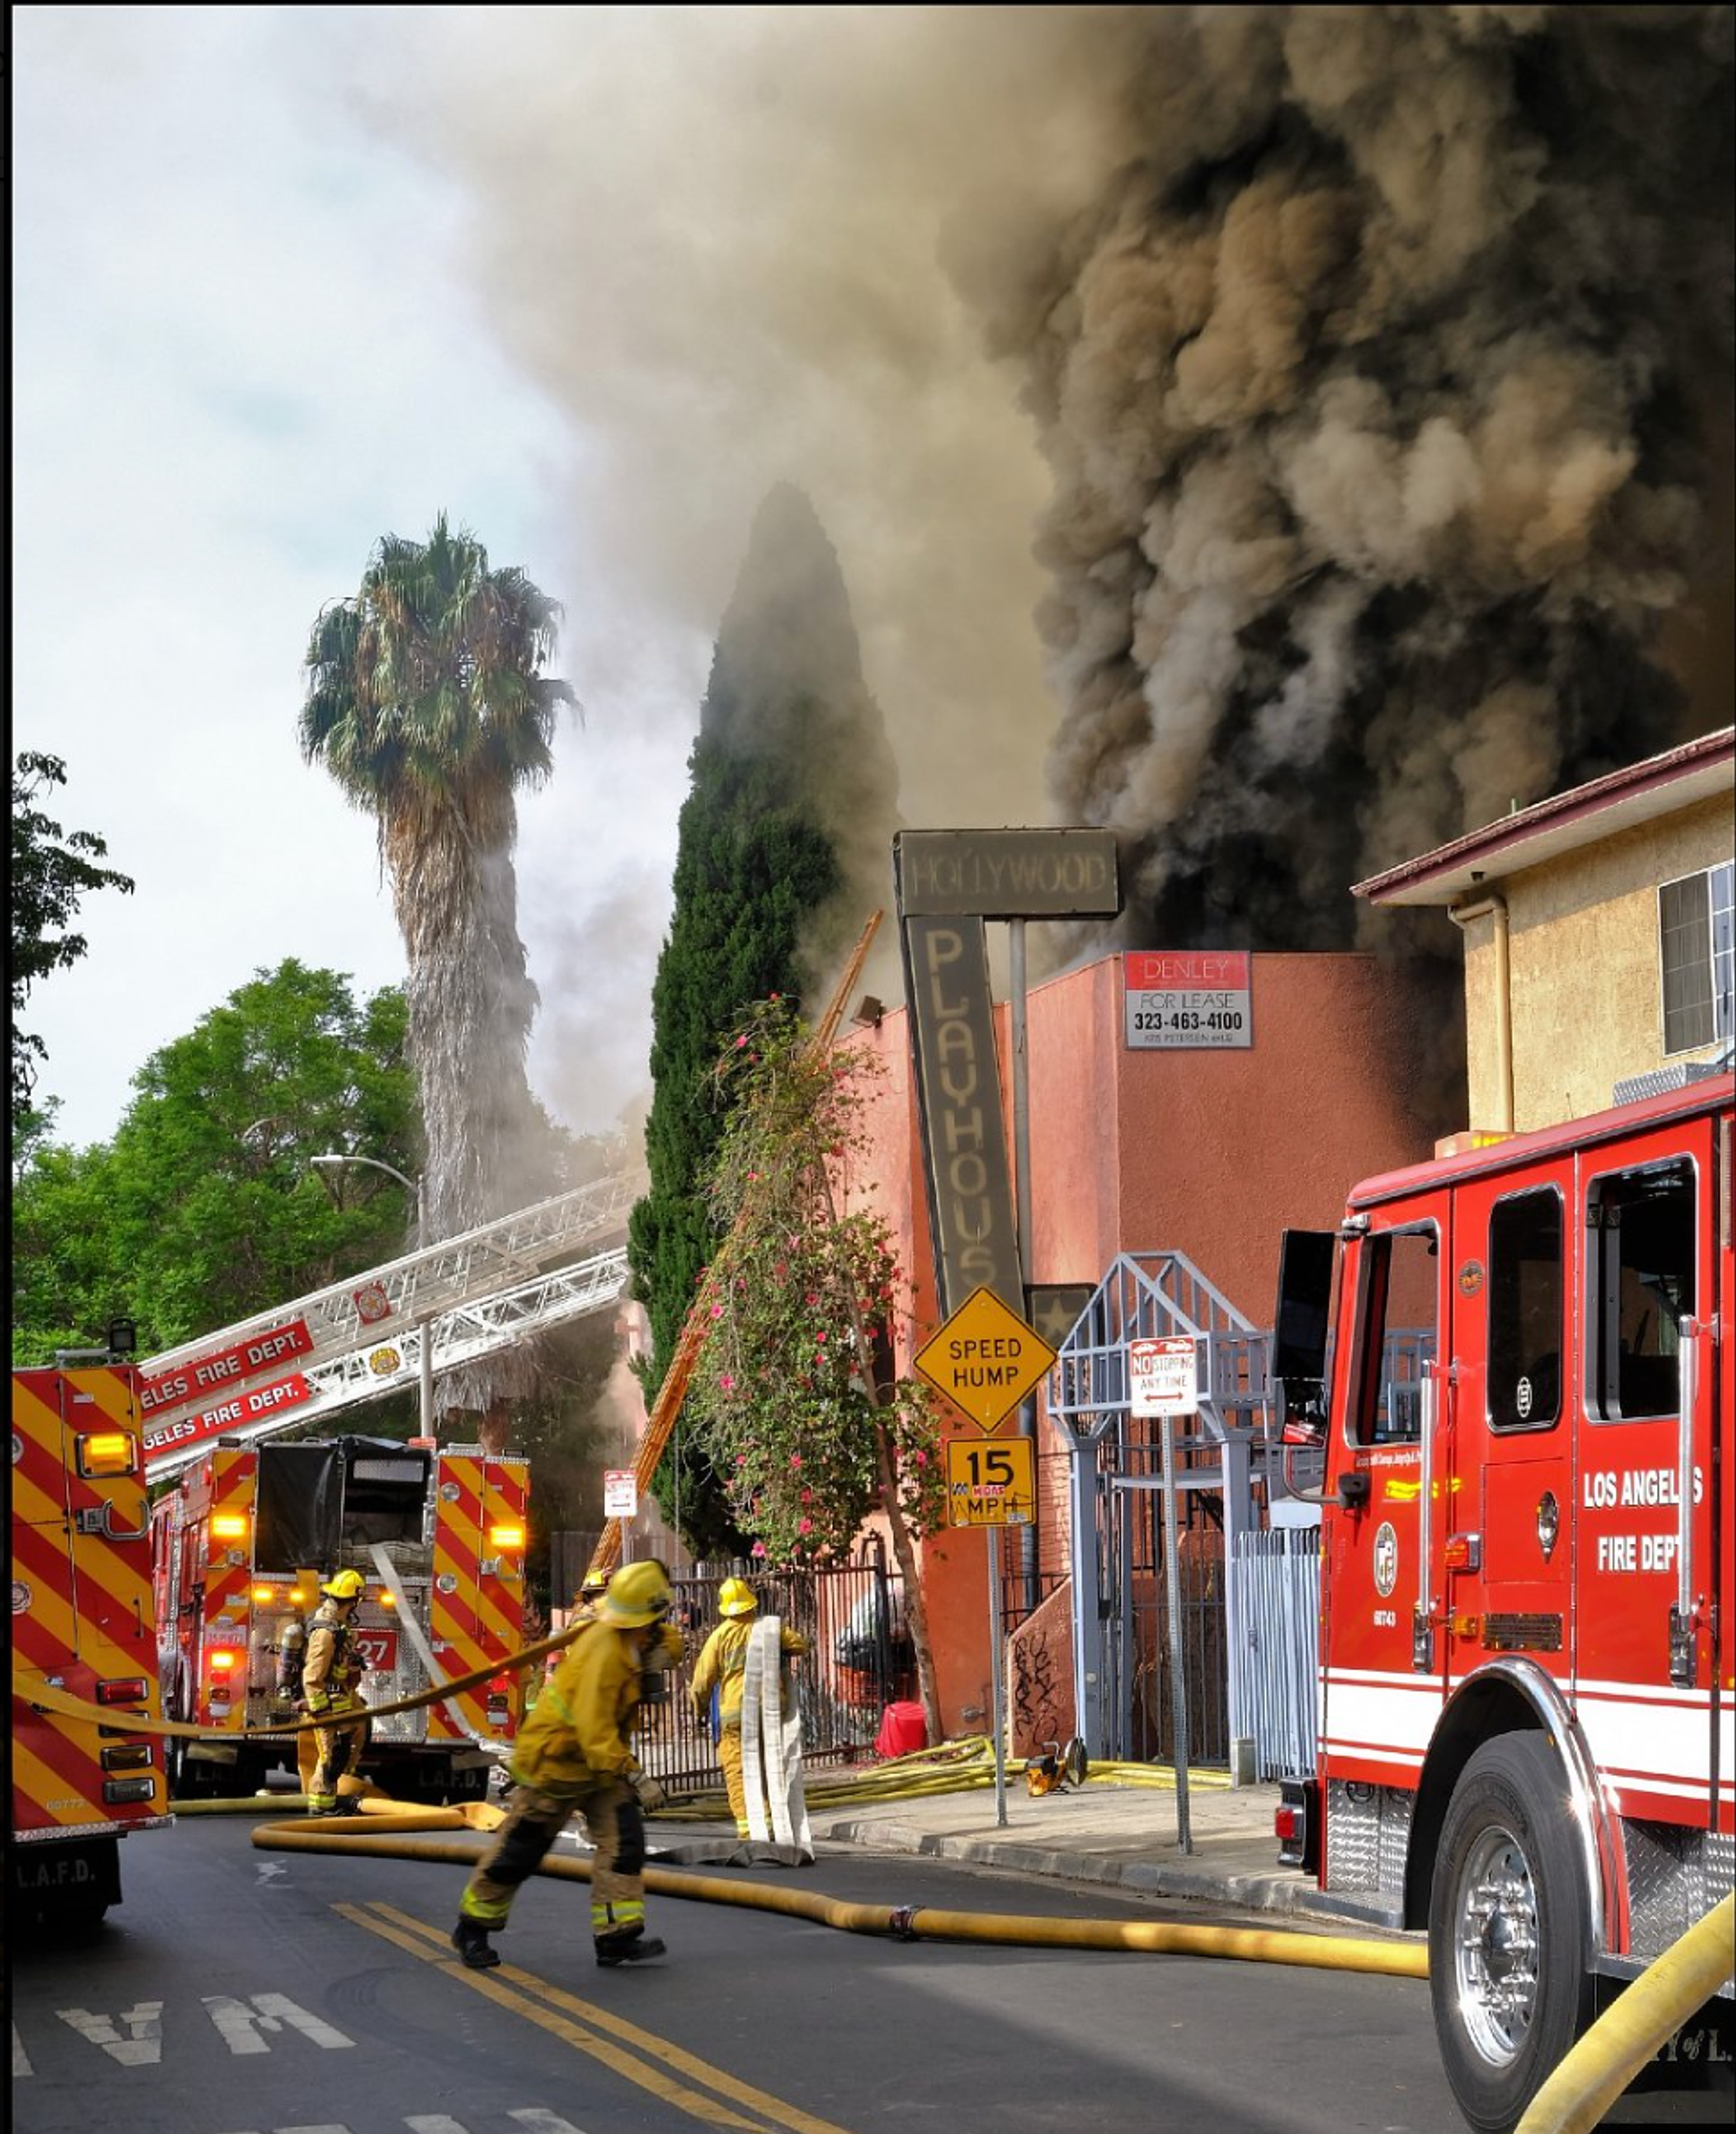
column 985, row 1359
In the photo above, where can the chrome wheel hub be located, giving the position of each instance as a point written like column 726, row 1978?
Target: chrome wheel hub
column 1496, row 1947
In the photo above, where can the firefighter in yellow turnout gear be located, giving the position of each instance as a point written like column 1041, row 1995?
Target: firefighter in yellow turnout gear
column 574, row 1754
column 329, row 1675
column 722, row 1663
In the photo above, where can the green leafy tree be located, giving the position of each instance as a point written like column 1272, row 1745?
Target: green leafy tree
column 792, row 790
column 53, row 870
column 793, row 1393
column 426, row 702
column 202, row 1210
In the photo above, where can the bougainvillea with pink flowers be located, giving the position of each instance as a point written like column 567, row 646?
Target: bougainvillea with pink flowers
column 794, row 1394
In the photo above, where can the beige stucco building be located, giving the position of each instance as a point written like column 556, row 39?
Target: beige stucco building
column 1597, row 929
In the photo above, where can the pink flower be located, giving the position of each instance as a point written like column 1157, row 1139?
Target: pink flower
column 758, row 1549
column 741, row 1460
column 717, row 1311
column 727, row 1383
column 741, row 1043
column 795, row 1459
column 804, row 1526
column 807, row 1496
column 922, row 1459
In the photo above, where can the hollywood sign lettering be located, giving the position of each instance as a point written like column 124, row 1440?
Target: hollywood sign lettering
column 1007, row 874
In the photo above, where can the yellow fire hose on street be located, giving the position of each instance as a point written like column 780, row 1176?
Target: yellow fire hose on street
column 364, row 1833
column 1576, row 2095
column 1597, row 2070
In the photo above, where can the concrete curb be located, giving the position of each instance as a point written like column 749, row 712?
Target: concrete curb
column 1283, row 1894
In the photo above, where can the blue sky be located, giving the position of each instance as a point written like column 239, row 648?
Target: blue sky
column 288, row 279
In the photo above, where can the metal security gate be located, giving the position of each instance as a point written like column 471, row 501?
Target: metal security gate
column 1277, row 1577
column 1138, row 1645
column 1223, row 1466
column 860, row 1661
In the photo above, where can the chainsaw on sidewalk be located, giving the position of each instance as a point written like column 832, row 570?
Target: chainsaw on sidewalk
column 1059, row 1769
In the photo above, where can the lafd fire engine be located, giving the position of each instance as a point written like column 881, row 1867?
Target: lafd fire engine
column 241, row 1546
column 82, row 1626
column 1517, row 1361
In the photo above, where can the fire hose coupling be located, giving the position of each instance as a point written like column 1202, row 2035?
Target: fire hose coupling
column 901, row 1924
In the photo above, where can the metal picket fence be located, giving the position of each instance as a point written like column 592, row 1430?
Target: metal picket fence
column 859, row 1661
column 1278, row 1585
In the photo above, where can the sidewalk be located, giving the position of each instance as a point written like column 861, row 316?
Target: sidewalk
column 1124, row 1837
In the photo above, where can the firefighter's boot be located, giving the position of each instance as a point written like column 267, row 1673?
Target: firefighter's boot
column 628, row 1945
column 472, row 1942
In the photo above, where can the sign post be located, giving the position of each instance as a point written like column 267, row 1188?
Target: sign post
column 1163, row 1378
column 985, row 1359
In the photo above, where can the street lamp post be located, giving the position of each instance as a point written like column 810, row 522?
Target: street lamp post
column 413, row 1186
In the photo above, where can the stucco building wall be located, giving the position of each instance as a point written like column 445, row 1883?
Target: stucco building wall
column 1586, row 989
column 1211, row 1154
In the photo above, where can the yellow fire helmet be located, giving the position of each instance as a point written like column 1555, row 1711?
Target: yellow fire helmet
column 594, row 1585
column 638, row 1594
column 736, row 1597
column 344, row 1585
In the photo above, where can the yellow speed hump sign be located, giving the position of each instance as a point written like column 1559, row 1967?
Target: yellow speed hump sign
column 992, row 1484
column 985, row 1359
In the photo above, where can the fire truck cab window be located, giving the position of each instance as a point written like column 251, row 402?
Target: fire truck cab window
column 1525, row 1292
column 1639, row 1269
column 1397, row 1320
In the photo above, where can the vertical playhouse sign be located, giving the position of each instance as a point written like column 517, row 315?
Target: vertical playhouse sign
column 948, row 883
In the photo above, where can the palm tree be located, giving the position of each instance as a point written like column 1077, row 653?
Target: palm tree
column 425, row 703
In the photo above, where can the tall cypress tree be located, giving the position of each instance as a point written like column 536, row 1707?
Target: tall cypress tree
column 784, row 833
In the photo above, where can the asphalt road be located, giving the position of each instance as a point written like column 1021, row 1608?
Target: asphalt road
column 243, row 1991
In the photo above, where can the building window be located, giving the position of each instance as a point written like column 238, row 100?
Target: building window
column 1695, row 936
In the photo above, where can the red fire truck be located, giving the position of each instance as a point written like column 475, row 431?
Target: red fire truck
column 1517, row 1363
column 82, row 1627
column 240, row 1546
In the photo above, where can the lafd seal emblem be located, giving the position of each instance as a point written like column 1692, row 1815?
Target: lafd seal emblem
column 1386, row 1559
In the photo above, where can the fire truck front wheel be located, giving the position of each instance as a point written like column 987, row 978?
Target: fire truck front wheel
column 1509, row 1931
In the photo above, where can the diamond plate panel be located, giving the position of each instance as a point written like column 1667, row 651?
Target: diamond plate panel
column 1367, row 1837
column 1675, row 1877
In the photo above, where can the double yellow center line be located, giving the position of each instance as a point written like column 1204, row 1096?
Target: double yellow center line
column 636, row 2055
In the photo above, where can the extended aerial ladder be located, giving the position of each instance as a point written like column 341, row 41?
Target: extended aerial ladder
column 374, row 1334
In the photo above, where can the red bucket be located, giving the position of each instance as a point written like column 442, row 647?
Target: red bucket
column 903, row 1730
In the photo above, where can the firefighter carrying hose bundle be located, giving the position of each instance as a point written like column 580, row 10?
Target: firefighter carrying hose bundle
column 574, row 1754
column 721, row 1668
column 329, row 1675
